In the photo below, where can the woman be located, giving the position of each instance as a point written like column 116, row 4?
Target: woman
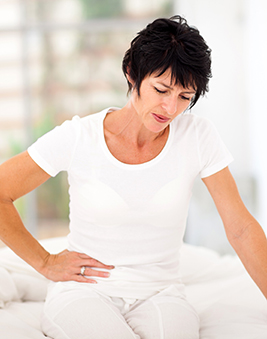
column 131, row 172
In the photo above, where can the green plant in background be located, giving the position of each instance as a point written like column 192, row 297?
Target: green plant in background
column 52, row 196
column 101, row 8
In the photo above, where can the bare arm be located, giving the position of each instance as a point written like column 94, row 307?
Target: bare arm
column 243, row 231
column 19, row 176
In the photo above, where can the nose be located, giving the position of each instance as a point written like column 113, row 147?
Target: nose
column 170, row 105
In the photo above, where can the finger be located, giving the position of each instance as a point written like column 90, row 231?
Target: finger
column 95, row 263
column 90, row 272
column 82, row 279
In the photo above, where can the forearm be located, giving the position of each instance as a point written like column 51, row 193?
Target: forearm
column 15, row 235
column 63, row 266
column 243, row 231
column 19, row 176
column 251, row 247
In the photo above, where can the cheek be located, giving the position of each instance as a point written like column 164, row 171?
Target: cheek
column 185, row 105
column 145, row 105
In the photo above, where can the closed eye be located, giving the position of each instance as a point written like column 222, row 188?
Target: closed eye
column 159, row 91
column 185, row 98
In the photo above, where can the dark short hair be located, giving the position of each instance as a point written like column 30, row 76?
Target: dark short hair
column 169, row 44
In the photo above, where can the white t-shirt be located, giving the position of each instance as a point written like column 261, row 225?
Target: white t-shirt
column 131, row 216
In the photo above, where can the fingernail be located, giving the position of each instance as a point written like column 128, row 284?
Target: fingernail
column 106, row 274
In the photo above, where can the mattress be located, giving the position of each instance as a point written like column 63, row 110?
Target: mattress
column 229, row 303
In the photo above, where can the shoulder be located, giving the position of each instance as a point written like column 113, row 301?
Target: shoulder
column 77, row 124
column 192, row 119
column 94, row 119
column 190, row 122
column 86, row 129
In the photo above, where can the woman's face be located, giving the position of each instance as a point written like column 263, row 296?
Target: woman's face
column 160, row 101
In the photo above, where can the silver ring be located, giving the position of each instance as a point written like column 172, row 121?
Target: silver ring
column 82, row 270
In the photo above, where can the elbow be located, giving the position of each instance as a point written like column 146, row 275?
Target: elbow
column 5, row 197
column 244, row 234
column 239, row 228
column 236, row 233
column 4, row 200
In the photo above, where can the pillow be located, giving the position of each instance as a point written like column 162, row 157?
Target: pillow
column 18, row 280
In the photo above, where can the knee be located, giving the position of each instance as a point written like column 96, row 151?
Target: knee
column 51, row 329
column 179, row 322
column 164, row 320
column 191, row 332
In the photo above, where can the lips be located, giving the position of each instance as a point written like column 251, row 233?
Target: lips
column 160, row 118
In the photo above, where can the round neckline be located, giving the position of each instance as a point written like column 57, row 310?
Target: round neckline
column 121, row 164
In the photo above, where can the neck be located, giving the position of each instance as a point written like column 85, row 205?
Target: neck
column 126, row 124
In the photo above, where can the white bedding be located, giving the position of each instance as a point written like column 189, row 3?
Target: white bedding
column 229, row 303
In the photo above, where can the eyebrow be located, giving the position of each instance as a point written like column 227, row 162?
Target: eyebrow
column 170, row 87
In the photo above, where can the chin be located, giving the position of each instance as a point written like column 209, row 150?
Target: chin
column 159, row 129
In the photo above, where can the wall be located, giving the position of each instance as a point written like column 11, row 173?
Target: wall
column 234, row 29
column 256, row 67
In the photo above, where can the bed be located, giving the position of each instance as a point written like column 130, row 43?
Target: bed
column 229, row 303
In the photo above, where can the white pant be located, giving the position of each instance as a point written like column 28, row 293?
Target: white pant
column 86, row 314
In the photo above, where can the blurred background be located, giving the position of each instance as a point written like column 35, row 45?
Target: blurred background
column 59, row 58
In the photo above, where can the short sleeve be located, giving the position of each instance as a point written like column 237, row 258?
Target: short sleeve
column 54, row 151
column 213, row 154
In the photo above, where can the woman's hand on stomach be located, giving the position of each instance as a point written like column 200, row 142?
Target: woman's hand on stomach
column 67, row 265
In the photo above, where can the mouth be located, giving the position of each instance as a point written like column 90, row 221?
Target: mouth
column 160, row 118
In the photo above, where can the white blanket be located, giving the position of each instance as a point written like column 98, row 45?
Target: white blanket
column 229, row 303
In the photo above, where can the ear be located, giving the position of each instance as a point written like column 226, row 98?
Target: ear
column 128, row 77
